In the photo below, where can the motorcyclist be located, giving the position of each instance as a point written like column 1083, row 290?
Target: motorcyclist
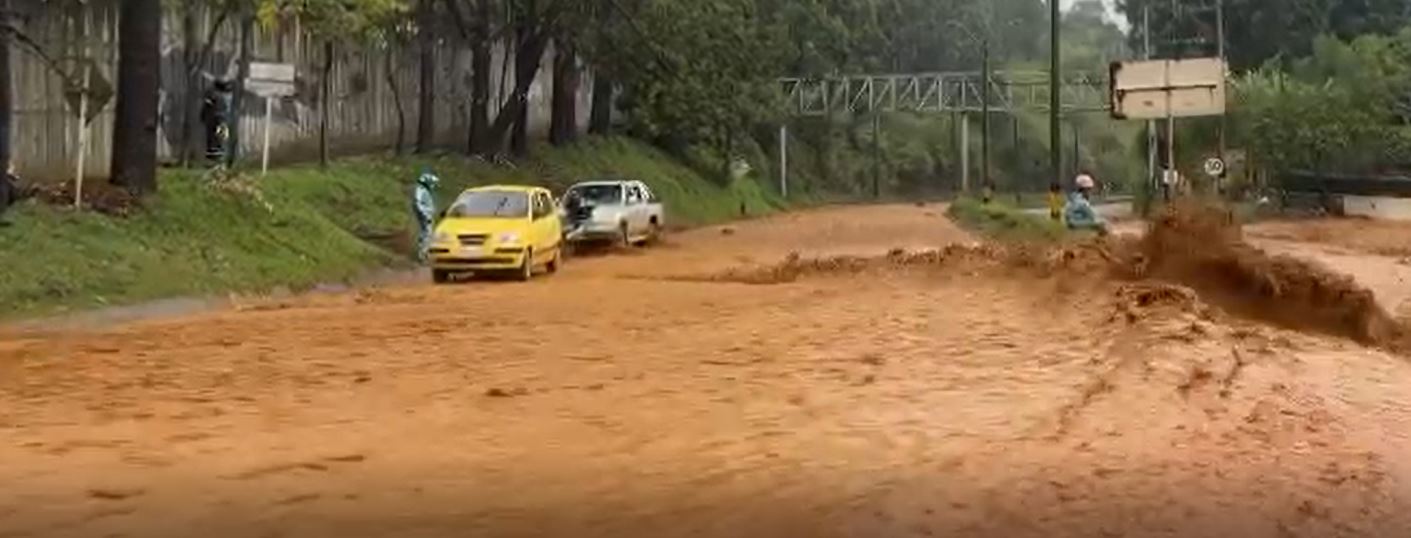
column 424, row 210
column 1079, row 214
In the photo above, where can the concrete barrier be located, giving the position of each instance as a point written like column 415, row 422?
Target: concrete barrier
column 1380, row 207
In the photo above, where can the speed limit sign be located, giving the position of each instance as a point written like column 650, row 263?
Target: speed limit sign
column 1214, row 167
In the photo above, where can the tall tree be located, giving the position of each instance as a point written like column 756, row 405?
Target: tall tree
column 563, row 122
column 7, row 98
column 134, row 160
column 476, row 25
column 426, row 63
column 600, row 115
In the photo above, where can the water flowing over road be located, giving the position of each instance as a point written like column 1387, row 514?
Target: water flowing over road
column 704, row 388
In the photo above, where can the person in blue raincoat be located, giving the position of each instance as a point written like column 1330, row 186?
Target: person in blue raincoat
column 1079, row 214
column 424, row 209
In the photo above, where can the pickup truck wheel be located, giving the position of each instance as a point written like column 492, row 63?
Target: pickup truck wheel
column 626, row 238
column 654, row 232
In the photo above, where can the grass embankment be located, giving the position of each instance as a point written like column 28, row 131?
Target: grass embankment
column 319, row 225
column 999, row 220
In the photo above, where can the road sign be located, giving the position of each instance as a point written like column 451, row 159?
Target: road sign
column 271, row 80
column 1168, row 88
column 1214, row 167
column 88, row 82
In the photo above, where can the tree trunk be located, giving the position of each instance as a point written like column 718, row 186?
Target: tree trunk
column 237, row 104
column 600, row 119
column 134, row 160
column 191, row 104
column 526, row 67
column 7, row 96
column 396, row 101
column 482, row 61
column 519, row 140
column 426, row 101
column 325, row 88
column 564, row 122
column 513, row 111
column 600, row 115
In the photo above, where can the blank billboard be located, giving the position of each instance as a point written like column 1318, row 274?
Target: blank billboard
column 1160, row 88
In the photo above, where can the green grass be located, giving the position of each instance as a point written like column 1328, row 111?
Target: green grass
column 321, row 225
column 999, row 220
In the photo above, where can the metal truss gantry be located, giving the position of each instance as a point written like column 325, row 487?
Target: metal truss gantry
column 1010, row 91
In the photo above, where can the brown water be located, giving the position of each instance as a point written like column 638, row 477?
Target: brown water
column 968, row 392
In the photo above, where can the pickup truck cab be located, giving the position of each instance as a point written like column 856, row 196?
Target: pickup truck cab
column 625, row 212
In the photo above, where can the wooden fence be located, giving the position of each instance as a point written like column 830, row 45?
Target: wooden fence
column 362, row 109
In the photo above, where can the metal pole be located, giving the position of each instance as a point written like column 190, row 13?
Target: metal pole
column 1151, row 176
column 1054, row 86
column 985, row 112
column 1077, row 164
column 964, row 153
column 784, row 160
column 1170, row 126
column 82, row 141
column 269, row 112
column 876, row 154
column 1220, row 46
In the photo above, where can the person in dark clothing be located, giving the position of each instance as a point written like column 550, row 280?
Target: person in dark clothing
column 215, row 112
column 7, row 191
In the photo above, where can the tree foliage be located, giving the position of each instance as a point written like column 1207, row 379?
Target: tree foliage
column 1342, row 108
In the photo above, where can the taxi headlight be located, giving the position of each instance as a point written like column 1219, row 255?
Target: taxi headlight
column 509, row 238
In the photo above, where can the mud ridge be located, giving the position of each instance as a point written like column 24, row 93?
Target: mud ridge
column 1203, row 247
column 1192, row 257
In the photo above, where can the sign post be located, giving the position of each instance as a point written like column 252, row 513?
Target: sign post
column 270, row 81
column 1168, row 89
column 87, row 93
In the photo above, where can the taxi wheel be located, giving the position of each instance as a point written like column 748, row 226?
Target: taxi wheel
column 525, row 272
column 440, row 276
column 553, row 265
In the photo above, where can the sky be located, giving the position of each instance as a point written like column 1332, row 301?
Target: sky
column 1111, row 11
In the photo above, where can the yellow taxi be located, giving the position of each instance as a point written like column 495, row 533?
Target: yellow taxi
column 497, row 229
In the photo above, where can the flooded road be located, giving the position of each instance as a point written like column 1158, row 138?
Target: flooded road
column 640, row 395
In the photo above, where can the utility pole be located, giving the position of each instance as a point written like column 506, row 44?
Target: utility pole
column 985, row 110
column 876, row 154
column 1054, row 86
column 1220, row 48
column 1150, row 124
column 784, row 160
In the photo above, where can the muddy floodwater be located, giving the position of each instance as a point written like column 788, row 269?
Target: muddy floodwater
column 653, row 394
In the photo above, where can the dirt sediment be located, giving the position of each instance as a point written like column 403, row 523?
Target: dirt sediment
column 1195, row 246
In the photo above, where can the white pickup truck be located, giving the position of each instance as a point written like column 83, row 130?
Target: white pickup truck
column 611, row 211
